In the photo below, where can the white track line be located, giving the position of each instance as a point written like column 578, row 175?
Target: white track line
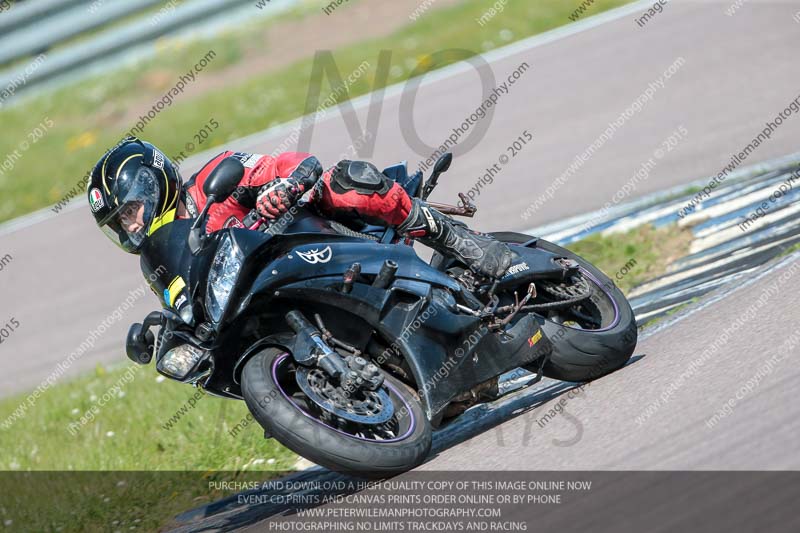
column 728, row 291
column 627, row 212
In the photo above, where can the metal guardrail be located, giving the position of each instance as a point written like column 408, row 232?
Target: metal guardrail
column 53, row 29
column 107, row 43
column 727, row 248
column 27, row 13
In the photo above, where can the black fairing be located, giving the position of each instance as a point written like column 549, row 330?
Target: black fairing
column 276, row 278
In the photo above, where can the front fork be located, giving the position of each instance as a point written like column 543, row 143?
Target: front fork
column 311, row 348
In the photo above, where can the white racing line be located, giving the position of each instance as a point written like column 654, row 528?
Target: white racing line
column 656, row 206
column 720, row 254
column 360, row 102
column 714, row 298
column 484, row 416
column 669, row 201
column 517, row 378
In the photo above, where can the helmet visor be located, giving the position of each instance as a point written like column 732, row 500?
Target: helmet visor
column 128, row 224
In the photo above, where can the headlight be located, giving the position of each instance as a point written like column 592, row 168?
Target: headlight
column 222, row 278
column 186, row 315
column 178, row 362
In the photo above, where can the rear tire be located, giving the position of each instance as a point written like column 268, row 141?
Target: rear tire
column 584, row 355
column 321, row 443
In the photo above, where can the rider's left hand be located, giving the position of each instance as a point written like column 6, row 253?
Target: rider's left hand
column 277, row 196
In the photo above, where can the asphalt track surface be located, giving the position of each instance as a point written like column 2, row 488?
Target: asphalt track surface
column 658, row 412
column 739, row 72
column 722, row 403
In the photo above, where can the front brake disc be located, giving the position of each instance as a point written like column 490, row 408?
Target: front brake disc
column 373, row 407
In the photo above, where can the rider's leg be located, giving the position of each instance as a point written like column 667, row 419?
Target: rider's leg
column 482, row 253
column 359, row 189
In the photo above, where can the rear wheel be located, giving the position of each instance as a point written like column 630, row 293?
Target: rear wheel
column 593, row 337
column 370, row 434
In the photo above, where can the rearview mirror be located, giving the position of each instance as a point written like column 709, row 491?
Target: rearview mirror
column 443, row 163
column 441, row 166
column 224, row 179
column 140, row 343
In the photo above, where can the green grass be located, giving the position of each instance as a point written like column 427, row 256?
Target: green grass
column 694, row 189
column 104, row 501
column 651, row 249
column 87, row 116
column 789, row 250
column 672, row 312
column 678, row 308
column 155, row 470
column 126, row 437
column 129, row 434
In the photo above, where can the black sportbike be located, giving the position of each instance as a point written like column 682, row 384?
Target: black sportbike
column 346, row 346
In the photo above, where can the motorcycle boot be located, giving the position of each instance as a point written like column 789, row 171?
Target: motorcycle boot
column 481, row 253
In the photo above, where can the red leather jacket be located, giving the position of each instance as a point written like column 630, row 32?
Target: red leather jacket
column 259, row 170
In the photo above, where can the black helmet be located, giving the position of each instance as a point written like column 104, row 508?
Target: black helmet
column 133, row 191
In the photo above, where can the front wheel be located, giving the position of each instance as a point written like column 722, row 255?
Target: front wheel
column 374, row 434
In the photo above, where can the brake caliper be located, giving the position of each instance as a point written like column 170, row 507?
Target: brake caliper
column 362, row 374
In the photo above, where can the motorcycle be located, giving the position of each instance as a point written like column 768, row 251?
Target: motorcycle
column 345, row 345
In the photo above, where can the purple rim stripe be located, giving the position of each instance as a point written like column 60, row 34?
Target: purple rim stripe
column 613, row 301
column 411, row 428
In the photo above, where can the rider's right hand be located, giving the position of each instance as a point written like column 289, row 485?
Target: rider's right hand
column 277, row 196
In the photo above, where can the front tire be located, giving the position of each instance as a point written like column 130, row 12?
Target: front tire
column 271, row 394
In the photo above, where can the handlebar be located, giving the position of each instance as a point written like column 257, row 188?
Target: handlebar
column 465, row 208
column 253, row 220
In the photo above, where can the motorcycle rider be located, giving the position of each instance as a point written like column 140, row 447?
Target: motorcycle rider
column 134, row 190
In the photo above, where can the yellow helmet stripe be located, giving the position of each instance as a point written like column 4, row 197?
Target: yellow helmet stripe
column 162, row 221
column 166, row 188
column 103, row 172
column 105, row 184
